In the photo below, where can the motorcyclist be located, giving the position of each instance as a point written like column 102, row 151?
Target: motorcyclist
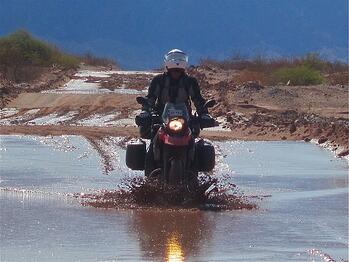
column 175, row 86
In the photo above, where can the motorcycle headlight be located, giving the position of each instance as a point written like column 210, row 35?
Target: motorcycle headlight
column 175, row 125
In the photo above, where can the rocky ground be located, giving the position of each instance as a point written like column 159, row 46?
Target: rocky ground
column 51, row 78
column 95, row 102
column 318, row 113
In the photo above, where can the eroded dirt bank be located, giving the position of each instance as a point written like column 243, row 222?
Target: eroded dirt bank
column 50, row 78
column 97, row 103
column 318, row 113
column 129, row 131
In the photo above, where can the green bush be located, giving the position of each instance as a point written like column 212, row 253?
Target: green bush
column 66, row 61
column 299, row 75
column 22, row 49
column 314, row 61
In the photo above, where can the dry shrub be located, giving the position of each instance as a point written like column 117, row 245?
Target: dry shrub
column 28, row 73
column 92, row 60
column 339, row 78
column 247, row 75
column 257, row 64
column 306, row 70
column 300, row 75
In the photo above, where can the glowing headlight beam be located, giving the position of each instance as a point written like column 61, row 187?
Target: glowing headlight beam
column 175, row 125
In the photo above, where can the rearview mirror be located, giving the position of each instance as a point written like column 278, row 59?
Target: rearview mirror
column 142, row 100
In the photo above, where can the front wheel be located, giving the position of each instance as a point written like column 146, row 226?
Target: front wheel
column 176, row 172
column 174, row 165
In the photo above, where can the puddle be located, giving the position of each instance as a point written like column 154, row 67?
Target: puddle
column 87, row 73
column 53, row 119
column 81, row 84
column 302, row 217
column 99, row 120
column 8, row 112
column 69, row 118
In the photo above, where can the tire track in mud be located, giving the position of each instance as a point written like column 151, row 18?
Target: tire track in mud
column 107, row 148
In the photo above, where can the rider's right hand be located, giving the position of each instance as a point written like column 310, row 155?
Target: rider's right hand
column 143, row 118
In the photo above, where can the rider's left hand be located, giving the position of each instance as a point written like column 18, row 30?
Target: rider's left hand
column 205, row 117
column 207, row 121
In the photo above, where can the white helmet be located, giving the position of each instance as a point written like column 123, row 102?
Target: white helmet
column 176, row 59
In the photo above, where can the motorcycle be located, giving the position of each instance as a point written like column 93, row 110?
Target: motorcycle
column 176, row 153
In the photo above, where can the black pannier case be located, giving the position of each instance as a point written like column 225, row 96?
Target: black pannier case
column 205, row 156
column 135, row 154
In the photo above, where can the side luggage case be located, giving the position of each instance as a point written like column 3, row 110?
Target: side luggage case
column 205, row 156
column 135, row 154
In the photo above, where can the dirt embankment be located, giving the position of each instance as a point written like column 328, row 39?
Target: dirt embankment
column 279, row 112
column 83, row 104
column 249, row 110
column 133, row 81
column 50, row 78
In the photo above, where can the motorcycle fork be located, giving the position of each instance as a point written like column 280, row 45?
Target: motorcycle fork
column 174, row 165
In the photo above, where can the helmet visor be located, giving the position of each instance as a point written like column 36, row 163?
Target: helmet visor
column 176, row 57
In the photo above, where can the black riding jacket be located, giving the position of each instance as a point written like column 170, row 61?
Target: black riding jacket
column 164, row 89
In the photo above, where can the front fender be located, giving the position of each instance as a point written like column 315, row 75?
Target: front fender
column 172, row 140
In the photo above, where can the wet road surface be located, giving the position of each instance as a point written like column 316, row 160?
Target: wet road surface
column 303, row 216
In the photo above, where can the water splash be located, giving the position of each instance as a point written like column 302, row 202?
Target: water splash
column 139, row 193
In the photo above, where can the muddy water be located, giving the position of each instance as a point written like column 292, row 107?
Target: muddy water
column 302, row 217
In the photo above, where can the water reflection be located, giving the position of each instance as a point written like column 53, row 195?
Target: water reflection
column 174, row 235
column 174, row 249
column 307, row 210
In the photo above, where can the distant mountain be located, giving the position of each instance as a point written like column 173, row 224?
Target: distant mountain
column 138, row 33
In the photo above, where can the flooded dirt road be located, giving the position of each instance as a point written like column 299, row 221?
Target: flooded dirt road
column 302, row 215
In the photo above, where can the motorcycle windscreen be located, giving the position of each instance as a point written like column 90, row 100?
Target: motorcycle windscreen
column 172, row 110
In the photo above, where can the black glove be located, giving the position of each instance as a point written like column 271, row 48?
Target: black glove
column 143, row 119
column 205, row 117
column 207, row 121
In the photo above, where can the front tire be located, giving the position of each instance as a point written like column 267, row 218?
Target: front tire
column 176, row 172
column 174, row 165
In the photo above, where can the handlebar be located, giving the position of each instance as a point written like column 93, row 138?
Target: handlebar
column 203, row 123
column 195, row 120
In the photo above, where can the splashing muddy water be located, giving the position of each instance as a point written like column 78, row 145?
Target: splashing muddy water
column 144, row 194
column 304, row 217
